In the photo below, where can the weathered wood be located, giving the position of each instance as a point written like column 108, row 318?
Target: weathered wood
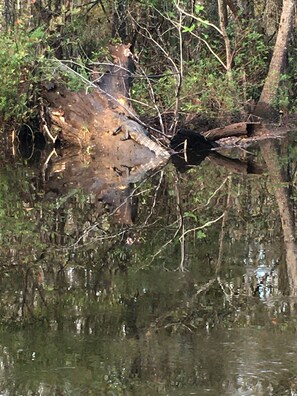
column 238, row 129
column 235, row 165
column 265, row 106
column 117, row 80
column 89, row 118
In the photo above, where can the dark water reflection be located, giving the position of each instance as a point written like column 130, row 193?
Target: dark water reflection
column 194, row 293
column 248, row 361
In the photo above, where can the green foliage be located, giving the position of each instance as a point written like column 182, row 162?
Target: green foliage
column 26, row 59
column 162, row 90
column 82, row 37
column 198, row 8
column 287, row 93
column 18, row 227
column 251, row 61
column 78, row 35
column 215, row 95
column 19, row 52
column 76, row 76
column 207, row 89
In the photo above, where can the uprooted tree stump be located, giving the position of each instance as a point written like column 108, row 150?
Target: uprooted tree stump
column 101, row 116
column 105, row 146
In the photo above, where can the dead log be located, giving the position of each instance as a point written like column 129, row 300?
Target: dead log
column 249, row 132
column 105, row 147
column 239, row 129
column 236, row 165
column 117, row 80
column 89, row 118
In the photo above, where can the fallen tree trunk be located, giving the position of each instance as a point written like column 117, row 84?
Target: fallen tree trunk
column 101, row 116
column 251, row 131
column 235, row 165
column 238, row 129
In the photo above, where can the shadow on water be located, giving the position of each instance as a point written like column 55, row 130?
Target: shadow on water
column 179, row 283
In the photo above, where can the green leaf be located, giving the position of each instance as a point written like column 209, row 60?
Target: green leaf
column 199, row 8
column 190, row 215
column 189, row 29
column 200, row 234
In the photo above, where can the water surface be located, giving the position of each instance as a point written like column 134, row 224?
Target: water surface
column 182, row 283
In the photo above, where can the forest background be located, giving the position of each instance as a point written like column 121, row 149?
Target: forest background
column 199, row 63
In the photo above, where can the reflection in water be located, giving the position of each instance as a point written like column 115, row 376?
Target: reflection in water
column 281, row 182
column 229, row 362
column 109, row 179
column 95, row 306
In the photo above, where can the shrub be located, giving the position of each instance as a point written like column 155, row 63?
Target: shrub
column 19, row 54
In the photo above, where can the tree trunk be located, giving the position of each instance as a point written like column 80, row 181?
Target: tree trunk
column 94, row 123
column 102, row 115
column 239, row 129
column 223, row 17
column 247, row 8
column 281, row 192
column 119, row 28
column 8, row 14
column 264, row 108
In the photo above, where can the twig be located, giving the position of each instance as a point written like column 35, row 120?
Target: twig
column 166, row 53
column 179, row 26
column 208, row 46
column 206, row 286
column 45, row 164
column 164, row 246
column 155, row 197
column 182, row 228
column 44, row 126
column 152, row 95
column 179, row 78
column 222, row 234
column 216, row 191
column 207, row 224
column 200, row 20
column 228, row 298
column 185, row 150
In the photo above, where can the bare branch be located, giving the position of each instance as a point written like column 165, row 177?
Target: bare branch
column 200, row 20
column 207, row 224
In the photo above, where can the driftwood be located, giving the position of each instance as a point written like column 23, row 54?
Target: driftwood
column 250, row 130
